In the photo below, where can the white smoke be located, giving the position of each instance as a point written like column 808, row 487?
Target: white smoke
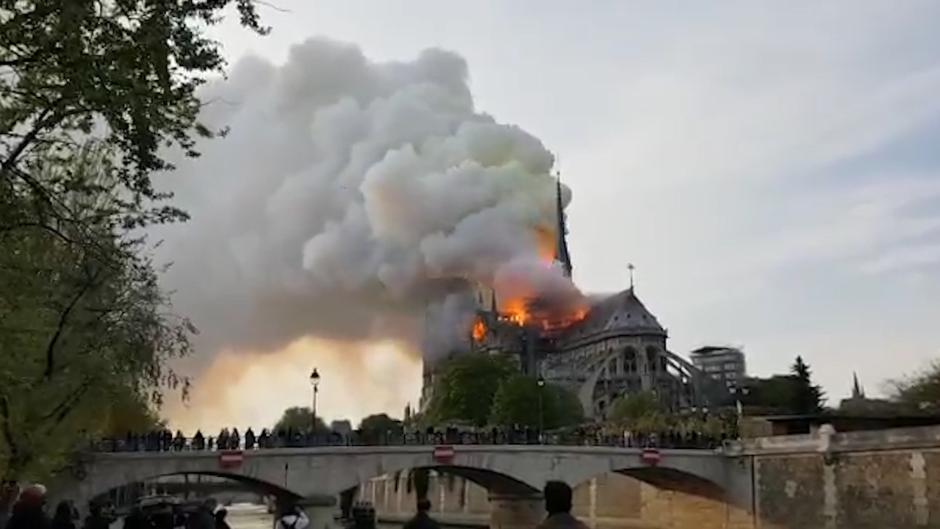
column 348, row 195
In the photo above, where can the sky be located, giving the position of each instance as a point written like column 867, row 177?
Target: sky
column 771, row 169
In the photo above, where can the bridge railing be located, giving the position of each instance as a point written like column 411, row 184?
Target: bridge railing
column 166, row 442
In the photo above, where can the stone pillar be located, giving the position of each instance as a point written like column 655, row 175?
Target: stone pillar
column 516, row 511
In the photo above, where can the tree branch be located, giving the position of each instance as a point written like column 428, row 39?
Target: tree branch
column 6, row 429
column 63, row 319
column 60, row 412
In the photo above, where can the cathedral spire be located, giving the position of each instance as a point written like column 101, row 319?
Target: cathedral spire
column 857, row 391
column 561, row 230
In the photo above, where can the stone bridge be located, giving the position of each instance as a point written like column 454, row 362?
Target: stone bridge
column 510, row 473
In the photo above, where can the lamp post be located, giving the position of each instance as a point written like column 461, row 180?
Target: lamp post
column 314, row 383
column 541, row 384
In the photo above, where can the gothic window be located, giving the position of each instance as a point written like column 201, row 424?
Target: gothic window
column 612, row 366
column 629, row 360
column 651, row 358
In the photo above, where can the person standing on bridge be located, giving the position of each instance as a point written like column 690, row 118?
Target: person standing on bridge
column 422, row 520
column 558, row 505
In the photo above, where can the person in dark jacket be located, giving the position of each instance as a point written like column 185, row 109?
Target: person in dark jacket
column 96, row 518
column 204, row 517
column 63, row 517
column 28, row 511
column 558, row 505
column 220, row 522
column 136, row 519
column 422, row 520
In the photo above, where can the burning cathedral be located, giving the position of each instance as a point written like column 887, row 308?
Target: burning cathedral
column 600, row 348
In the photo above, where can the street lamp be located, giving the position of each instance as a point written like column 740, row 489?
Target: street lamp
column 541, row 384
column 314, row 383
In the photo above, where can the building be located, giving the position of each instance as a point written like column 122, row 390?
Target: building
column 612, row 347
column 724, row 364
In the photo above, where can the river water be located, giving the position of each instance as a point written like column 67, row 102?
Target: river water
column 248, row 516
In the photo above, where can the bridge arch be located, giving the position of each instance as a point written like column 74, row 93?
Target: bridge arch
column 507, row 470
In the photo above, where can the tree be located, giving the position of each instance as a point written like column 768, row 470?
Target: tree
column 376, row 428
column 130, row 413
column 776, row 394
column 299, row 419
column 520, row 399
column 122, row 72
column 639, row 412
column 808, row 397
column 81, row 326
column 635, row 406
column 919, row 391
column 465, row 389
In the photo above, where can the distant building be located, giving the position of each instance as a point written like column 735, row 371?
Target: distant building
column 859, row 404
column 724, row 364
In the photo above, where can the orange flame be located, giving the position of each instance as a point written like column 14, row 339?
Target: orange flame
column 545, row 240
column 516, row 311
column 479, row 330
column 519, row 312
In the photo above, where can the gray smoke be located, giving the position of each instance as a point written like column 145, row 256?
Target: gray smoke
column 348, row 195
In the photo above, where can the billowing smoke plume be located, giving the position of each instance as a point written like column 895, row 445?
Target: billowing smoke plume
column 348, row 195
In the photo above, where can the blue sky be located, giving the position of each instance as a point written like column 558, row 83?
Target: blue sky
column 772, row 169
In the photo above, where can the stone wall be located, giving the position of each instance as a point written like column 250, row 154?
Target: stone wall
column 610, row 501
column 886, row 479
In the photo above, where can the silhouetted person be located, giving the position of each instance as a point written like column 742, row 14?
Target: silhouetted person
column 96, row 518
column 220, row 522
column 63, row 516
column 203, row 518
column 136, row 519
column 235, row 441
column 199, row 441
column 9, row 491
column 558, row 505
column 179, row 441
column 222, row 439
column 249, row 439
column 422, row 520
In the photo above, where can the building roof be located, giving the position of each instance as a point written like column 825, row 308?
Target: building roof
column 709, row 349
column 622, row 311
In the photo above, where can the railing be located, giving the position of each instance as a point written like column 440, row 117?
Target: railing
column 167, row 442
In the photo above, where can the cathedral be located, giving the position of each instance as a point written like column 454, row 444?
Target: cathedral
column 612, row 347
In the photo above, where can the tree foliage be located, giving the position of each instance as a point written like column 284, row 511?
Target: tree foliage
column 122, row 72
column 299, row 419
column 808, row 397
column 81, row 326
column 919, row 391
column 635, row 407
column 375, row 428
column 465, row 388
column 521, row 401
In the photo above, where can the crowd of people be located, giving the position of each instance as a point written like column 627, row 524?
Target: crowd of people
column 27, row 509
column 29, row 512
column 165, row 440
